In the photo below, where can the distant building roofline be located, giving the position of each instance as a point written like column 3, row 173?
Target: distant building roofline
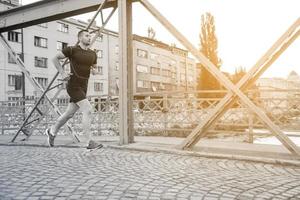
column 147, row 40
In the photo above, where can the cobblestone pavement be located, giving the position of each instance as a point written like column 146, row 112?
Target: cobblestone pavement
column 74, row 173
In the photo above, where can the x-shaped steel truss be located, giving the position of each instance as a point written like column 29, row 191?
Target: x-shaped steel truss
column 234, row 91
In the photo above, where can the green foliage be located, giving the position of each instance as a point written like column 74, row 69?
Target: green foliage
column 208, row 46
column 238, row 74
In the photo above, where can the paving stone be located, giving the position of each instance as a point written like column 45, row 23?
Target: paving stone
column 122, row 174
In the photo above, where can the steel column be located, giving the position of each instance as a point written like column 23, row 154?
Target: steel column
column 125, row 72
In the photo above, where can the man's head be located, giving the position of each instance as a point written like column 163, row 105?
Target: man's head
column 84, row 37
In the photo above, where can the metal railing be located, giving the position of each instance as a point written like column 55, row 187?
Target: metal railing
column 169, row 113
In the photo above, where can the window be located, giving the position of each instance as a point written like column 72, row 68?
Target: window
column 173, row 68
column 10, row 59
column 62, row 27
column 14, row 98
column 61, row 45
column 190, row 67
column 142, row 68
column 166, row 73
column 173, row 62
column 42, row 81
column 117, row 66
column 142, row 53
column 99, row 70
column 174, row 75
column 162, row 86
column 98, row 87
column 15, row 101
column 11, row 80
column 43, row 25
column 143, row 84
column 190, row 79
column 182, row 77
column 154, row 56
column 62, row 101
column 117, row 49
column 40, row 62
column 155, row 70
column 40, row 42
column 168, row 86
column 14, row 36
column 16, row 81
column 99, row 53
column 140, row 84
column 155, row 86
column 29, row 97
column 182, row 64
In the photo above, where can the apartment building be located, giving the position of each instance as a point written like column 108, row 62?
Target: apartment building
column 283, row 90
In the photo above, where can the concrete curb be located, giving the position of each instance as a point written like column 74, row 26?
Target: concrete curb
column 264, row 160
column 211, row 155
column 40, row 145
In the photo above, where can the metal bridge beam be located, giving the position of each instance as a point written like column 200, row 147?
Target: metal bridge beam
column 125, row 72
column 46, row 11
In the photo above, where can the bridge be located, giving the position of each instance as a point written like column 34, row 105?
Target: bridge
column 46, row 10
column 158, row 170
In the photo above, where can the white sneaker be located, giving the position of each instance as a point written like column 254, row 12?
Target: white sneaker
column 50, row 137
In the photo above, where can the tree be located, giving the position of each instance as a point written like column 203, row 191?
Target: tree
column 238, row 74
column 208, row 46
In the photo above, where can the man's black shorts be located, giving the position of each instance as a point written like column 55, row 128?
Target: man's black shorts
column 77, row 93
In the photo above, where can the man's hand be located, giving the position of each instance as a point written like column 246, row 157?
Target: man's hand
column 94, row 69
column 66, row 76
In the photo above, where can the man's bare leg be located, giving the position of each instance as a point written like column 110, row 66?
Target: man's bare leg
column 68, row 114
column 87, row 110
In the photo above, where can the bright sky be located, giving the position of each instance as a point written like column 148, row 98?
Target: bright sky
column 245, row 29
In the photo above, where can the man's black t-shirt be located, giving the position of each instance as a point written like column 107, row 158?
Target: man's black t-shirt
column 81, row 61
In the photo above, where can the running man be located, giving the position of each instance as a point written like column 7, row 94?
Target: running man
column 82, row 61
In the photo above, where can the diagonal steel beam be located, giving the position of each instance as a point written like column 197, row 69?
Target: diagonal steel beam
column 223, row 79
column 126, row 72
column 100, row 30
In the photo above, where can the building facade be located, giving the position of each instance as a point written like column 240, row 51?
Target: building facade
column 157, row 66
column 280, row 87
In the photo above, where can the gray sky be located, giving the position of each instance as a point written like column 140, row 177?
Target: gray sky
column 246, row 29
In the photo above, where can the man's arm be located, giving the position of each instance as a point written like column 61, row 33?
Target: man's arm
column 58, row 66
column 94, row 69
